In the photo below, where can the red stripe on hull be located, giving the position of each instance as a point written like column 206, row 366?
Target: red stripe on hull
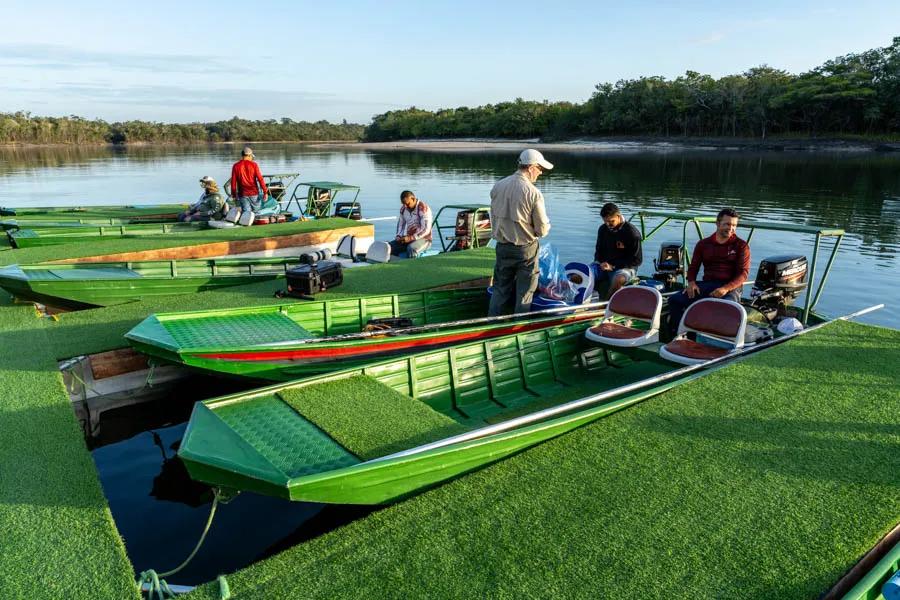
column 388, row 346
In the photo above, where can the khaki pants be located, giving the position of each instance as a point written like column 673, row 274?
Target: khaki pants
column 515, row 278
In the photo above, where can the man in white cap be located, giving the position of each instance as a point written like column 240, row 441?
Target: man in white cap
column 518, row 221
column 245, row 175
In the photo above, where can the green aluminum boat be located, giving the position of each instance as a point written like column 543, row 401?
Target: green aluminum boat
column 872, row 584
column 87, row 285
column 121, row 214
column 280, row 343
column 383, row 431
column 51, row 236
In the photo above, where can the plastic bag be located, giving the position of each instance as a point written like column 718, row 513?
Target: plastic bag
column 552, row 280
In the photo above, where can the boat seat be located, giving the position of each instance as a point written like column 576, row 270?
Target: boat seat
column 347, row 247
column 719, row 325
column 233, row 215
column 582, row 277
column 247, row 218
column 637, row 302
column 378, row 252
column 220, row 224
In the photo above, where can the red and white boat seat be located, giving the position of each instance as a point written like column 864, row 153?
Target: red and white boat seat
column 720, row 326
column 635, row 302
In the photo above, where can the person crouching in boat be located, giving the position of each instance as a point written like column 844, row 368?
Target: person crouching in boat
column 617, row 253
column 726, row 264
column 211, row 204
column 413, row 227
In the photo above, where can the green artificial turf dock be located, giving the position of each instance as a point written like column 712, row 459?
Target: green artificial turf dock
column 767, row 479
column 369, row 418
column 57, row 536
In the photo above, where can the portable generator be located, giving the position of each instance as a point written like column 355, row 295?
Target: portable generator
column 317, row 274
column 779, row 280
column 668, row 264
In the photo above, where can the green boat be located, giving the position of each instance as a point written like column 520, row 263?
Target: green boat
column 280, row 343
column 870, row 586
column 383, row 431
column 51, row 236
column 119, row 214
column 87, row 285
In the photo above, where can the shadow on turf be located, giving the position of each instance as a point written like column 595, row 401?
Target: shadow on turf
column 822, row 450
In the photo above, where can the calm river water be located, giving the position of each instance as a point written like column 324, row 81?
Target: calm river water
column 160, row 513
column 857, row 192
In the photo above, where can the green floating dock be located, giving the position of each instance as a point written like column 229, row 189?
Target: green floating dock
column 766, row 480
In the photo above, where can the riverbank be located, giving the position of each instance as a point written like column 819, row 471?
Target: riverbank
column 634, row 144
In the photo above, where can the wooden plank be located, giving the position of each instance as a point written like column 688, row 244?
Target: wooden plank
column 117, row 362
column 225, row 248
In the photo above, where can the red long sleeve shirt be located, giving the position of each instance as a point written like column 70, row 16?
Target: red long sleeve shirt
column 728, row 262
column 244, row 175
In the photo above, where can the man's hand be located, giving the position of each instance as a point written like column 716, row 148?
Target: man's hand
column 692, row 289
column 605, row 266
column 718, row 292
column 265, row 196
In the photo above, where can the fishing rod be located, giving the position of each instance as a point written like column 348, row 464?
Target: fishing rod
column 596, row 398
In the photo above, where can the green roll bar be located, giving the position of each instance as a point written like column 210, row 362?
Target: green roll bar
column 481, row 213
column 819, row 232
column 316, row 208
column 285, row 179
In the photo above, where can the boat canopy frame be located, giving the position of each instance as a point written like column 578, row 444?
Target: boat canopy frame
column 315, row 206
column 284, row 179
column 449, row 242
column 696, row 219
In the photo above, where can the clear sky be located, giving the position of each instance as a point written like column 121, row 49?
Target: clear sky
column 205, row 61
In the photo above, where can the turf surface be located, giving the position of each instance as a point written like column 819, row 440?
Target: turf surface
column 57, row 535
column 369, row 418
column 767, row 479
column 138, row 243
column 101, row 329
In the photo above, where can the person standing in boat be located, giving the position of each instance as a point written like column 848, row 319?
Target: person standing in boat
column 518, row 221
column 726, row 265
column 617, row 253
column 413, row 227
column 211, row 205
column 245, row 175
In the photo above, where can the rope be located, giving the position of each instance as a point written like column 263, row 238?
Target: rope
column 159, row 589
column 84, row 384
column 152, row 364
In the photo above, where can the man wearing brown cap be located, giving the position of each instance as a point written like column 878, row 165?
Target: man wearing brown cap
column 518, row 221
column 245, row 174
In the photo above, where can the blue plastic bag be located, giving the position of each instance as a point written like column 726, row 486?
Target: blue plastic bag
column 552, row 280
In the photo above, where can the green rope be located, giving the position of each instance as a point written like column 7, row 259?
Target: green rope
column 87, row 388
column 159, row 589
column 152, row 364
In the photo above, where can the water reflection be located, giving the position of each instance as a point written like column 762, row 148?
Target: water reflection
column 857, row 192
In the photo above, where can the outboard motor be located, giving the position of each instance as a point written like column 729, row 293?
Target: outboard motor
column 779, row 280
column 669, row 263
column 466, row 224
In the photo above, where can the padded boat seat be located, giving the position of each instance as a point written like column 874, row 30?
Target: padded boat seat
column 615, row 331
column 378, row 252
column 638, row 303
column 719, row 321
column 347, row 247
column 690, row 349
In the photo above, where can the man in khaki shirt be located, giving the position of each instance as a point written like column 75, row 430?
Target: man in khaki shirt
column 518, row 221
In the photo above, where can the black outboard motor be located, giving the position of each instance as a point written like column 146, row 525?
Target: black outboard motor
column 669, row 264
column 779, row 280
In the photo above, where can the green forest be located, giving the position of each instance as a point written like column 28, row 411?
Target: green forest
column 849, row 96
column 852, row 95
column 23, row 128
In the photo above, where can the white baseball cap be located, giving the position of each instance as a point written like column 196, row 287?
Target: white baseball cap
column 533, row 157
column 207, row 179
column 790, row 325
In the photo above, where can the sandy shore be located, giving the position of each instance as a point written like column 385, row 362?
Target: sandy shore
column 619, row 145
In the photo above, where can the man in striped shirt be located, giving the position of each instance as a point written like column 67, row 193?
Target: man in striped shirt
column 413, row 227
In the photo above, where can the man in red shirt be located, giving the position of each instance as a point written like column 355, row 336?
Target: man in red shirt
column 726, row 264
column 245, row 174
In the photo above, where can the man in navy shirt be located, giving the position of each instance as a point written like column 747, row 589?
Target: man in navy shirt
column 617, row 254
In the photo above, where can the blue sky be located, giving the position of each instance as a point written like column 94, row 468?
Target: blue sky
column 203, row 61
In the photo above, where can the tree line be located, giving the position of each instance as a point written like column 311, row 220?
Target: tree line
column 856, row 94
column 22, row 127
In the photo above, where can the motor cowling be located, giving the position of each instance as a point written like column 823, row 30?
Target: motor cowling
column 779, row 280
column 668, row 264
